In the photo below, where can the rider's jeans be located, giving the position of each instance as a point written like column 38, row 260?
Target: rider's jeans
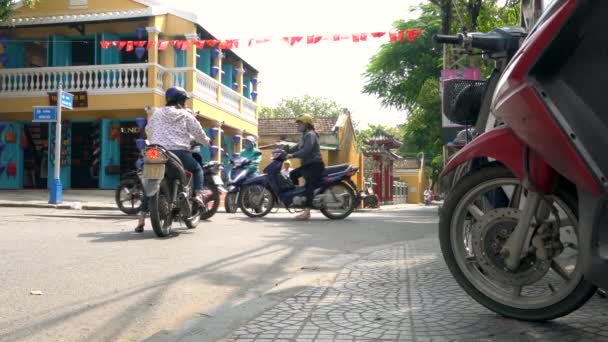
column 193, row 166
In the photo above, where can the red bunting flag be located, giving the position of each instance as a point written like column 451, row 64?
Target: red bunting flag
column 151, row 44
column 412, row 34
column 401, row 36
column 130, row 46
column 163, row 45
column 200, row 44
column 378, row 34
column 121, row 45
column 355, row 37
column 363, row 37
column 186, row 44
column 105, row 44
column 293, row 40
column 212, row 42
column 313, row 39
column 140, row 43
column 392, row 36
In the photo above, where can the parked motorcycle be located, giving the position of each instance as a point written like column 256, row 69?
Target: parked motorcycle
column 336, row 196
column 238, row 175
column 168, row 187
column 130, row 192
column 524, row 232
column 467, row 102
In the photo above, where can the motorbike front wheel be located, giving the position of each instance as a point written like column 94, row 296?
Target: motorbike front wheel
column 478, row 217
column 161, row 214
column 212, row 199
column 256, row 201
column 129, row 195
column 230, row 203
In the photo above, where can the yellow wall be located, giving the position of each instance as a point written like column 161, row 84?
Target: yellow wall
column 416, row 182
column 53, row 7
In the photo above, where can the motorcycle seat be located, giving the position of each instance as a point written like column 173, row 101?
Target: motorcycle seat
column 175, row 158
column 335, row 168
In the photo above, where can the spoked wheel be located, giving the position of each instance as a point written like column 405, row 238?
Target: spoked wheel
column 129, row 195
column 340, row 201
column 212, row 200
column 161, row 214
column 230, row 203
column 256, row 201
column 478, row 217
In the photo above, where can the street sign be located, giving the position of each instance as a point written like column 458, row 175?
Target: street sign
column 67, row 100
column 45, row 114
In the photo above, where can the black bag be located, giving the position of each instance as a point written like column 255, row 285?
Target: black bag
column 284, row 183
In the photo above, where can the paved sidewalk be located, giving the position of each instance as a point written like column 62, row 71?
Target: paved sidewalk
column 90, row 199
column 405, row 293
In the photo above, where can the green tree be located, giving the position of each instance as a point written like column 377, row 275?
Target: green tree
column 290, row 107
column 406, row 76
column 6, row 7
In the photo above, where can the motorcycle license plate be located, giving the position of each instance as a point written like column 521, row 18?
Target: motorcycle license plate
column 217, row 180
column 154, row 171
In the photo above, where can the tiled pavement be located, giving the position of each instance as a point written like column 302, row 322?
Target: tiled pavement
column 406, row 293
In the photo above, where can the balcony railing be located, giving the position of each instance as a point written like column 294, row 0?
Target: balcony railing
column 123, row 79
column 39, row 81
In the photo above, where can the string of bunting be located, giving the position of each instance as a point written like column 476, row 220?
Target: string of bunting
column 227, row 44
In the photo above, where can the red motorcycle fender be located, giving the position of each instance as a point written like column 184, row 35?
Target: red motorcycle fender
column 504, row 146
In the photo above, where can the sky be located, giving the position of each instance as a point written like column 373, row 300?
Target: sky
column 328, row 69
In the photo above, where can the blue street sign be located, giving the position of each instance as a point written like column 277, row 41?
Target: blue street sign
column 67, row 100
column 45, row 114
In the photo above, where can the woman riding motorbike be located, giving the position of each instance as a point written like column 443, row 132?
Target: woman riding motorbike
column 309, row 152
column 173, row 127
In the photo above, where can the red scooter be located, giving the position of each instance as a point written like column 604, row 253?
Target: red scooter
column 525, row 232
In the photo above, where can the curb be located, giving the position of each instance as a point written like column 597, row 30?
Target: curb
column 55, row 206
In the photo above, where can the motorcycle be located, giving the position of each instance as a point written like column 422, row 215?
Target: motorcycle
column 467, row 102
column 524, row 232
column 238, row 175
column 130, row 192
column 168, row 188
column 336, row 196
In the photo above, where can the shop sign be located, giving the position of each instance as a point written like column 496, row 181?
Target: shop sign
column 81, row 99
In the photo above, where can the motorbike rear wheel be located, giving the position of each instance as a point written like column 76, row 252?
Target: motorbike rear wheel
column 161, row 214
column 349, row 201
column 474, row 225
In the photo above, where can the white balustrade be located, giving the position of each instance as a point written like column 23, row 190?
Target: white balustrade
column 39, row 81
column 231, row 100
column 249, row 108
column 206, row 87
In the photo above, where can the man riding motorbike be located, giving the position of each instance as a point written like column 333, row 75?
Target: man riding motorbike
column 309, row 152
column 173, row 127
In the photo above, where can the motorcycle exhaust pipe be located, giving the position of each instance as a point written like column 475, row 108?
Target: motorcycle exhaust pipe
column 185, row 207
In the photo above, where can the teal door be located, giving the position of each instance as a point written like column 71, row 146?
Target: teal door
column 66, row 155
column 61, row 51
column 110, row 55
column 203, row 62
column 227, row 76
column 110, row 155
column 11, row 157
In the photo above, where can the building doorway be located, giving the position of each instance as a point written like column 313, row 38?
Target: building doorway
column 35, row 155
column 83, row 138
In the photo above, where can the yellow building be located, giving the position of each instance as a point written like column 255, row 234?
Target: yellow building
column 59, row 41
column 337, row 138
column 411, row 172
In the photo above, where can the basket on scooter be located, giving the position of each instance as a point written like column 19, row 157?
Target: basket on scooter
column 462, row 100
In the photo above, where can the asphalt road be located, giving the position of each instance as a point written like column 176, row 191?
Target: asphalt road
column 102, row 282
